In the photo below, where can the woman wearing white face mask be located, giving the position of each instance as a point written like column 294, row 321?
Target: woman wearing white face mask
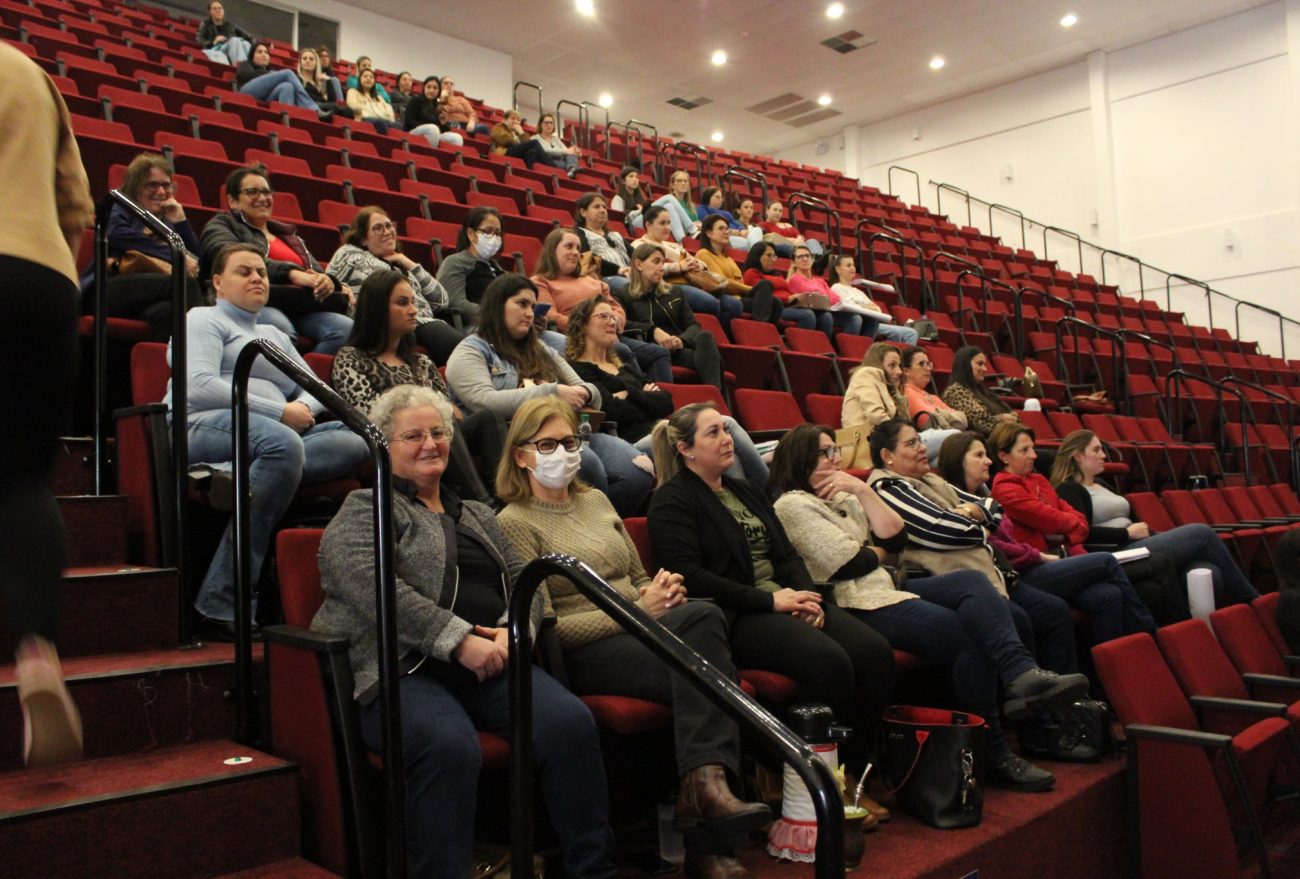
column 467, row 272
column 548, row 510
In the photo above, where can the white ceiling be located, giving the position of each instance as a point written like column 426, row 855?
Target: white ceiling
column 644, row 53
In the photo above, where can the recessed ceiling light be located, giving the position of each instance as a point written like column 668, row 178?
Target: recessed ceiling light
column 824, row 100
column 606, row 100
column 719, row 57
column 717, row 137
column 586, row 7
column 1069, row 20
column 936, row 62
column 835, row 10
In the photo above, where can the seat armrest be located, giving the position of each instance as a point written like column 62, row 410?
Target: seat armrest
column 1177, row 736
column 305, row 639
column 146, row 409
column 1254, row 679
column 1243, row 706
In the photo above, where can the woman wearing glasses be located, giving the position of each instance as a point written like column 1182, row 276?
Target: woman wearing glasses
column 504, row 364
column 141, row 286
column 305, row 299
column 805, row 284
column 455, row 573
column 468, row 271
column 846, row 533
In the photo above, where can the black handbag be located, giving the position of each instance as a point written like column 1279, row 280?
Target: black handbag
column 934, row 762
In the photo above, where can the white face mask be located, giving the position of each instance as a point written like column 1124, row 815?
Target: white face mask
column 488, row 247
column 556, row 470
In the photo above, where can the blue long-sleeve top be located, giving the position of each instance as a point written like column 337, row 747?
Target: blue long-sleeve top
column 126, row 232
column 215, row 335
column 705, row 211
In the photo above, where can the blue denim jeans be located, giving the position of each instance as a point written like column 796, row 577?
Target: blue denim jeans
column 848, row 322
column 232, row 51
column 281, row 460
column 1096, row 584
column 892, row 333
column 1045, row 627
column 682, row 224
column 962, row 622
column 1198, row 546
column 328, row 328
column 654, row 360
column 723, row 306
column 279, row 85
column 441, row 756
column 607, row 465
column 806, row 318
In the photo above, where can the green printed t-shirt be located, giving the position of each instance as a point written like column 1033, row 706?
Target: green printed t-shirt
column 756, row 535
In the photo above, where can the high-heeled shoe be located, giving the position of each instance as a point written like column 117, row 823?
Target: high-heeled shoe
column 51, row 722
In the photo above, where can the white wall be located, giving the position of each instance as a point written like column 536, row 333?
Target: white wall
column 1181, row 151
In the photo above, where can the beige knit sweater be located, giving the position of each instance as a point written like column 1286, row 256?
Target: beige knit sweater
column 587, row 528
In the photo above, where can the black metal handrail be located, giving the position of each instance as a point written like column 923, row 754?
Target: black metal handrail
column 933, row 286
column 1074, row 236
column 1288, row 405
column 757, row 177
column 903, row 244
column 1018, row 306
column 627, row 137
column 514, row 95
column 581, row 128
column 676, row 149
column 1281, row 331
column 889, row 176
column 834, row 239
column 975, row 272
column 179, row 378
column 385, row 579
column 1147, row 341
column 1013, row 212
column 586, row 106
column 1119, row 365
column 1142, row 285
column 827, row 801
column 938, row 198
column 637, row 125
column 1175, row 379
column 1209, row 305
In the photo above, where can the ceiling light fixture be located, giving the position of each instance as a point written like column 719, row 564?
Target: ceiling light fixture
column 719, row 57
column 717, row 137
column 1069, row 20
column 835, row 10
column 824, row 100
column 586, row 7
column 606, row 100
column 936, row 62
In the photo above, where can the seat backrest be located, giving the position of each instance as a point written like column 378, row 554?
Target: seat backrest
column 1246, row 642
column 1266, row 501
column 1139, row 684
column 190, row 146
column 149, row 372
column 808, row 341
column 1242, row 504
column 1215, row 507
column 1198, row 662
column 358, row 176
column 1286, row 497
column 767, row 410
column 321, row 364
column 710, row 323
column 278, row 164
column 335, row 213
column 826, row 408
column 1148, row 508
column 300, row 590
column 131, row 98
column 758, row 334
column 1265, row 608
column 684, row 395
column 1183, row 507
column 1038, row 423
column 638, row 529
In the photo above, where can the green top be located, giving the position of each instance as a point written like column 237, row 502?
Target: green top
column 685, row 202
column 756, row 534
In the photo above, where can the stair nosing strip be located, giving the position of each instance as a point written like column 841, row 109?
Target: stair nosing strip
column 128, row 672
column 17, row 817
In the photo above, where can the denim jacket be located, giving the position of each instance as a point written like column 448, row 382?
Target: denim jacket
column 480, row 378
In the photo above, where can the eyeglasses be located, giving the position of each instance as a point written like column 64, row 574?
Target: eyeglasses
column 830, row 453
column 607, row 316
column 913, row 443
column 155, row 186
column 547, row 445
column 254, row 193
column 383, row 227
column 489, row 233
column 803, row 256
column 416, row 437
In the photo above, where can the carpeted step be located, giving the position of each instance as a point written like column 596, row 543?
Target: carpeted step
column 113, row 609
column 74, row 466
column 294, row 868
column 96, row 527
column 167, row 814
column 134, row 702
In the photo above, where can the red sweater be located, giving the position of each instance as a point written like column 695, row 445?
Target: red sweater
column 1036, row 510
column 780, row 289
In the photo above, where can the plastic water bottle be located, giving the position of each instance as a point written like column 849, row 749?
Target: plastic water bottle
column 584, row 428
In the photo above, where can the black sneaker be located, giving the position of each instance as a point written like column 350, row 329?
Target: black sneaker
column 1040, row 688
column 1062, row 734
column 1014, row 772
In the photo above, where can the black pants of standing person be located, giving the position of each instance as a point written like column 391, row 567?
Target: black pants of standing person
column 845, row 664
column 146, row 297
column 623, row 666
column 38, row 347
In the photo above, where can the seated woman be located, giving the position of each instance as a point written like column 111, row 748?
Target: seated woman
column 466, row 273
column 564, row 277
column 145, row 292
column 304, row 298
column 758, row 299
column 223, row 41
column 927, row 410
column 256, row 79
column 549, row 511
column 679, row 187
column 455, row 570
column 779, row 232
column 365, row 63
column 381, row 354
column 722, row 535
column 1093, row 582
column 840, row 274
column 874, row 395
column 557, row 153
column 844, row 532
column 948, row 529
column 662, row 313
column 329, row 83
column 759, row 267
column 368, row 106
column 1080, row 460
column 503, row 363
column 805, row 284
column 421, row 115
column 633, row 201
column 370, row 246
column 403, row 93
column 457, row 112
column 739, row 235
column 967, row 394
column 591, row 222
column 722, row 305
column 318, row 86
column 626, row 397
column 509, row 139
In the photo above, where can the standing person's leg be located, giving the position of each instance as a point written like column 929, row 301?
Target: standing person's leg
column 38, row 342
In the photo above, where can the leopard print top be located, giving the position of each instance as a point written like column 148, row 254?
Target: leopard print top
column 360, row 378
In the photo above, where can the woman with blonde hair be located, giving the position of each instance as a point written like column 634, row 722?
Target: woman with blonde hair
column 679, row 262
column 875, row 395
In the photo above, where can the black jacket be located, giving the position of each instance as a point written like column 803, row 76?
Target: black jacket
column 668, row 311
column 1076, row 495
column 208, row 32
column 696, row 536
column 636, row 415
column 419, row 111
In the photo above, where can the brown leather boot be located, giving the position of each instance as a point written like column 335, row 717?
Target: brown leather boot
column 706, row 799
column 702, row 866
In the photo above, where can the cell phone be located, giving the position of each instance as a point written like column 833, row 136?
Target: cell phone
column 540, row 309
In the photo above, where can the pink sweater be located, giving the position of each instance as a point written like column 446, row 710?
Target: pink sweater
column 565, row 293
column 800, row 284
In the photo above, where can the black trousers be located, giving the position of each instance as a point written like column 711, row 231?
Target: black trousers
column 439, row 338
column 530, row 151
column 38, row 345
column 147, row 297
column 702, row 355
